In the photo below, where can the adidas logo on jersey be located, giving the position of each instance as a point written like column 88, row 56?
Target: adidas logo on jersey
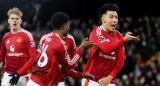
column 8, row 41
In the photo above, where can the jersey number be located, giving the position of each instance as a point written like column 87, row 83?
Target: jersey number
column 44, row 62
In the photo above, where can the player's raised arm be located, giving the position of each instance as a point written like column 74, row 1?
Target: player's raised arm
column 105, row 44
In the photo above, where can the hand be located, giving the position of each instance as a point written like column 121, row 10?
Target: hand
column 87, row 76
column 86, row 44
column 105, row 81
column 14, row 79
column 129, row 38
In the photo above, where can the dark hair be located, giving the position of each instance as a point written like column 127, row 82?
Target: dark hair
column 108, row 7
column 58, row 19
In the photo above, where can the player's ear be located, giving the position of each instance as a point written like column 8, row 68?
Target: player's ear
column 21, row 21
column 103, row 20
column 8, row 21
column 64, row 26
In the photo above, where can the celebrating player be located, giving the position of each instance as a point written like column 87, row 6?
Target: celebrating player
column 18, row 50
column 106, row 58
column 54, row 57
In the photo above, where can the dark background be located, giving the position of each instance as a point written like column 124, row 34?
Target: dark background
column 84, row 9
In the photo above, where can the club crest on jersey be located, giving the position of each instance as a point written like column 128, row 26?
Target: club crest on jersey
column 19, row 40
column 67, row 47
column 117, row 40
column 12, row 48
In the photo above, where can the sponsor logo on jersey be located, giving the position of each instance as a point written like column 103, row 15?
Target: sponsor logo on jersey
column 15, row 54
column 106, row 56
column 19, row 40
column 12, row 48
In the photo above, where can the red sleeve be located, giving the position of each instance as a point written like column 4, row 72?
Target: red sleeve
column 32, row 55
column 0, row 57
column 71, row 73
column 73, row 48
column 65, row 59
column 120, row 61
column 103, row 43
column 3, row 50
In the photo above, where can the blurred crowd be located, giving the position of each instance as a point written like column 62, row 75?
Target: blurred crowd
column 142, row 61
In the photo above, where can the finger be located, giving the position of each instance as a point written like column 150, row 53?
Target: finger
column 129, row 33
column 10, row 75
column 16, row 82
column 136, row 39
column 10, row 81
column 85, row 39
column 91, row 77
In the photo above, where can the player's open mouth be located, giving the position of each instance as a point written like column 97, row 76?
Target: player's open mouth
column 113, row 26
column 15, row 25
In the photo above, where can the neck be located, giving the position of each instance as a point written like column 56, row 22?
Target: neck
column 59, row 33
column 106, row 29
column 14, row 31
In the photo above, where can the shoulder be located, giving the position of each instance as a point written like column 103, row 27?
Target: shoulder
column 55, row 41
column 6, row 35
column 69, row 37
column 118, row 33
column 96, row 30
column 27, row 34
column 45, row 36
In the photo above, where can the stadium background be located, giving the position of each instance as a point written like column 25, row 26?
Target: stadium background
column 142, row 63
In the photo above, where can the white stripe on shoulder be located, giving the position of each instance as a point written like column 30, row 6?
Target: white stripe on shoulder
column 28, row 33
column 70, row 36
column 99, row 30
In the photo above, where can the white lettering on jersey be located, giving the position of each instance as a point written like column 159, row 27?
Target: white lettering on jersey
column 32, row 44
column 106, row 56
column 15, row 54
column 43, row 55
column 48, row 39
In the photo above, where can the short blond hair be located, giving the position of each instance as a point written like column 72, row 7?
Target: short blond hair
column 16, row 11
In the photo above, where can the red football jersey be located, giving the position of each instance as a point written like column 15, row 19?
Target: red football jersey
column 107, row 56
column 54, row 55
column 19, row 52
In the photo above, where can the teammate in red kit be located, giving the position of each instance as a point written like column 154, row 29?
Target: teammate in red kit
column 106, row 58
column 18, row 50
column 71, row 49
column 54, row 56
